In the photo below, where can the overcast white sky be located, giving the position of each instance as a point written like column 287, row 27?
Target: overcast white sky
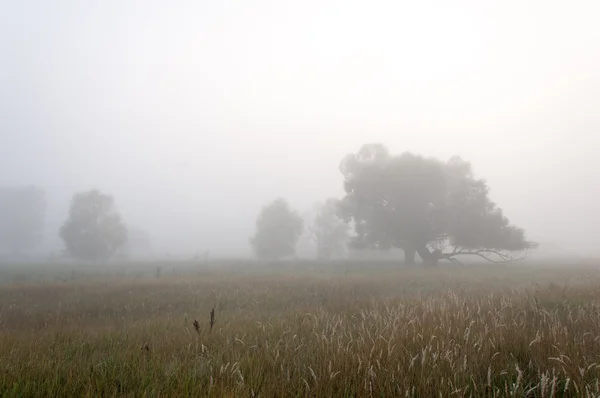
column 193, row 114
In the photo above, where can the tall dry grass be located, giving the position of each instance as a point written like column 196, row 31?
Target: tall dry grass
column 356, row 330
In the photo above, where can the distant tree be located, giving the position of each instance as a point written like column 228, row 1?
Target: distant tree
column 422, row 205
column 94, row 230
column 328, row 231
column 278, row 229
column 22, row 214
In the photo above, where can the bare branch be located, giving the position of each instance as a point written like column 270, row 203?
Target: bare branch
column 492, row 255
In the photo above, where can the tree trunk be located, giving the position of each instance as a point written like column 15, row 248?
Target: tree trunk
column 429, row 259
column 409, row 256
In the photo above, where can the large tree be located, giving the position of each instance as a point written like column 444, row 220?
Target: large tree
column 422, row 205
column 94, row 230
column 278, row 229
column 22, row 214
column 328, row 231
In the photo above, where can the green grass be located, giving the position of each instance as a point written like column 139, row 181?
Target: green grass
column 299, row 329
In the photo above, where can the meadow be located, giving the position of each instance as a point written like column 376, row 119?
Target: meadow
column 297, row 329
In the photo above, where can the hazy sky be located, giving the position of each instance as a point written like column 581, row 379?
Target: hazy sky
column 193, row 114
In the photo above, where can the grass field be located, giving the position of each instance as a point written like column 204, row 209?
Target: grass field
column 299, row 329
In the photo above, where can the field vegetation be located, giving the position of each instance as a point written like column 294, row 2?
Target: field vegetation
column 295, row 329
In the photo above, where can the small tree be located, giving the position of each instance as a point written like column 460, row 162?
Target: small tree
column 328, row 231
column 94, row 230
column 22, row 213
column 278, row 229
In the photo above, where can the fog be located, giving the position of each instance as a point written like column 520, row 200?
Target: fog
column 193, row 115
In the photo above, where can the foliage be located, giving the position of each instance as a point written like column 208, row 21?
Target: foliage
column 278, row 229
column 22, row 213
column 425, row 205
column 328, row 231
column 94, row 230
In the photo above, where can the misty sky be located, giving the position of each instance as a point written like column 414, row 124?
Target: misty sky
column 193, row 114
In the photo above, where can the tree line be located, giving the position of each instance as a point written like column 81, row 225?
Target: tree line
column 436, row 209
column 420, row 205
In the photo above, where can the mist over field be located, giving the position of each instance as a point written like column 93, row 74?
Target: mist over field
column 194, row 115
column 314, row 198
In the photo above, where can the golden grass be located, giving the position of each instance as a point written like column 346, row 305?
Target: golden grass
column 318, row 330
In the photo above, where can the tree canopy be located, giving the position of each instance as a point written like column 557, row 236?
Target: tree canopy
column 94, row 230
column 423, row 205
column 278, row 229
column 22, row 216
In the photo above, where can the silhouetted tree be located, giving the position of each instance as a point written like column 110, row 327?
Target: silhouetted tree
column 328, row 231
column 278, row 229
column 94, row 230
column 422, row 205
column 22, row 214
